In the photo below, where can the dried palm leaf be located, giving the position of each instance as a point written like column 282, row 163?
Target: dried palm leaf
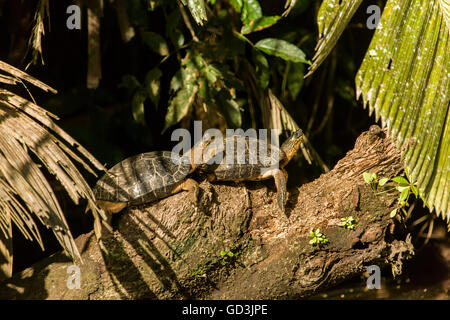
column 27, row 129
column 35, row 42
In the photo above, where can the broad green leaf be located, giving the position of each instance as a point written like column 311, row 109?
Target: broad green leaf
column 152, row 84
column 229, row 108
column 367, row 177
column 295, row 79
column 259, row 24
column 172, row 28
column 237, row 4
column 156, row 43
column 383, row 181
column 281, row 49
column 179, row 106
column 177, row 80
column 402, row 188
column 401, row 181
column 251, row 10
column 262, row 68
column 137, row 105
column 403, row 195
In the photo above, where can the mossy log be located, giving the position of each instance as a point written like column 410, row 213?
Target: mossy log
column 175, row 250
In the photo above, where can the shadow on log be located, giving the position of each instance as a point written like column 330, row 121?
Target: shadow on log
column 175, row 250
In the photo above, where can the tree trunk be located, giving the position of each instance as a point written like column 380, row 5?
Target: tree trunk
column 172, row 249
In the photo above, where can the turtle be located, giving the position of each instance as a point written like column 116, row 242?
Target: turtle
column 247, row 164
column 145, row 178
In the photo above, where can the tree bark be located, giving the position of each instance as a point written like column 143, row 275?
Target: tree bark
column 171, row 249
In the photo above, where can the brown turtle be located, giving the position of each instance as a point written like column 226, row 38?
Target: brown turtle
column 247, row 162
column 145, row 178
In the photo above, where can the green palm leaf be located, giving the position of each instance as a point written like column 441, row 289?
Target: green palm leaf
column 405, row 80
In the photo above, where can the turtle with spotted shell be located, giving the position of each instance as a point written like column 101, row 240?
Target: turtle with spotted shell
column 253, row 159
column 147, row 177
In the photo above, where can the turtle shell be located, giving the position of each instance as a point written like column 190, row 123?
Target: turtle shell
column 243, row 158
column 143, row 178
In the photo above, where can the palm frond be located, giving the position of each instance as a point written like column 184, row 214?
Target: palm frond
column 405, row 80
column 333, row 17
column 27, row 129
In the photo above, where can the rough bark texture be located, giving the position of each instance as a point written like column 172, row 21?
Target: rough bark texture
column 172, row 249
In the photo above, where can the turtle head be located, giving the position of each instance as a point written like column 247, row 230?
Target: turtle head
column 291, row 146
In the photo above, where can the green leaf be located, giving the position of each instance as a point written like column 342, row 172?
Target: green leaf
column 237, row 4
column 403, row 195
column 282, row 49
column 367, row 177
column 156, row 43
column 295, row 79
column 179, row 106
column 259, row 24
column 231, row 254
column 401, row 188
column 401, row 181
column 172, row 29
column 130, row 83
column 383, row 181
column 137, row 105
column 393, row 213
column 229, row 108
column 152, row 85
column 251, row 10
column 223, row 253
column 177, row 80
column 262, row 68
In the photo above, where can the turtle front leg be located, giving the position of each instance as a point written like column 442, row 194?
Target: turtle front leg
column 191, row 186
column 280, row 176
column 103, row 222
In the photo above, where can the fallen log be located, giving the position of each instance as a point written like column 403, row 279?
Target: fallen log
column 236, row 244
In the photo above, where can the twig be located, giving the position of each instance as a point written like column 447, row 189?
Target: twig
column 187, row 22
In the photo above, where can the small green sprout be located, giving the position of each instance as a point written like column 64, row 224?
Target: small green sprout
column 370, row 179
column 226, row 256
column 317, row 238
column 348, row 223
column 405, row 187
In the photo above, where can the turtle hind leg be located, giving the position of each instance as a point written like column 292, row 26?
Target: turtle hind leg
column 191, row 186
column 280, row 177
